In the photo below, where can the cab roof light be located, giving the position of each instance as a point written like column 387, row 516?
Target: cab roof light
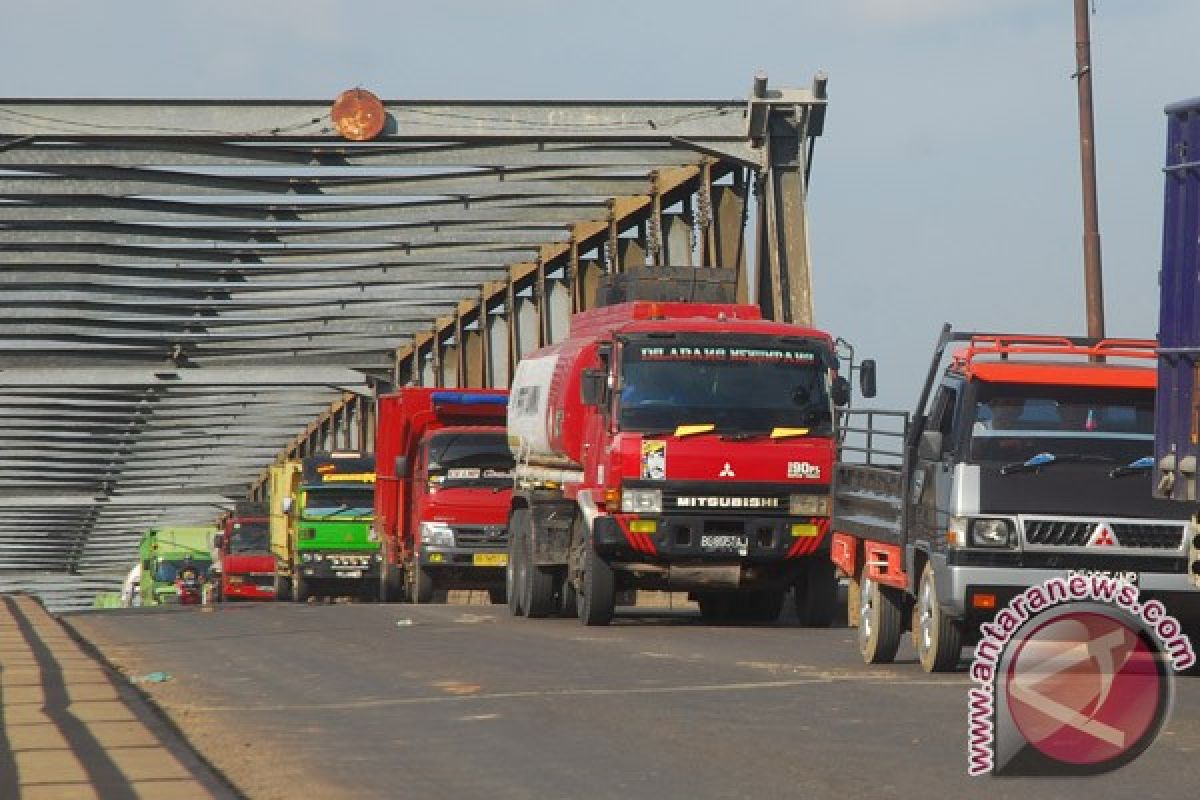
column 468, row 398
column 1006, row 347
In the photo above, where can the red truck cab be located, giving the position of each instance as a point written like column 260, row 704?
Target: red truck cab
column 247, row 566
column 443, row 492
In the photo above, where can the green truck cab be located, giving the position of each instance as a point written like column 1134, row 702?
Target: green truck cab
column 322, row 533
column 163, row 552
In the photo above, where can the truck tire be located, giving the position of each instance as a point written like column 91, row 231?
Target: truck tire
column 881, row 622
column 497, row 597
column 518, row 521
column 816, row 593
column 283, row 588
column 423, row 589
column 538, row 587
column 301, row 591
column 715, row 606
column 938, row 638
column 597, row 596
column 387, row 592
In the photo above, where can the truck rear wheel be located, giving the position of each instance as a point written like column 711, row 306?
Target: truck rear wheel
column 938, row 639
column 568, row 600
column 816, row 593
column 518, row 521
column 597, row 595
column 389, row 584
column 423, row 590
column 715, row 606
column 283, row 588
column 300, row 588
column 538, row 587
column 881, row 622
column 764, row 606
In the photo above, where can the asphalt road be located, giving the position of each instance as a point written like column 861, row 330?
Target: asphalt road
column 466, row 702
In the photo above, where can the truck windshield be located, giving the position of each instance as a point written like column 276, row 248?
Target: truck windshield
column 470, row 458
column 338, row 501
column 738, row 387
column 1015, row 422
column 249, row 537
column 167, row 571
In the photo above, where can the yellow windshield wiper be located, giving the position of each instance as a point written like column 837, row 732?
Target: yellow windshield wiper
column 692, row 430
column 786, row 433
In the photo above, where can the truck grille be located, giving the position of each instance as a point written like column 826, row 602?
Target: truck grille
column 491, row 536
column 1077, row 533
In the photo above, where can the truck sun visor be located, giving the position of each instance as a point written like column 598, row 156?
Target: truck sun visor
column 468, row 398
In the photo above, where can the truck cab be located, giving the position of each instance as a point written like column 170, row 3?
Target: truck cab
column 1028, row 458
column 247, row 568
column 445, row 481
column 164, row 553
column 332, row 549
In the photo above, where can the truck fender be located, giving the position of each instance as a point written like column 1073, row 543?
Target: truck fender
column 910, row 563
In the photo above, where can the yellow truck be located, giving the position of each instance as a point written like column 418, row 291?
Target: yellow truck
column 283, row 481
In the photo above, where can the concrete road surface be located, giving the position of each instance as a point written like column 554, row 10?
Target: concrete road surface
column 462, row 702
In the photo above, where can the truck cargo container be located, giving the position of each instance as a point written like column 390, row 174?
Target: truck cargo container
column 682, row 446
column 1177, row 415
column 442, row 497
column 322, row 509
column 1026, row 458
column 164, row 552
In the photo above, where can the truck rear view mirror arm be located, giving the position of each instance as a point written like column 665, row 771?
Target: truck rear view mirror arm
column 593, row 387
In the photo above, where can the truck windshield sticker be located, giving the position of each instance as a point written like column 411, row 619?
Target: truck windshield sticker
column 348, row 477
column 702, row 353
column 654, row 460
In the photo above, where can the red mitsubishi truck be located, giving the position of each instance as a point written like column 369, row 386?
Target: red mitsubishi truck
column 685, row 446
column 444, row 479
column 247, row 568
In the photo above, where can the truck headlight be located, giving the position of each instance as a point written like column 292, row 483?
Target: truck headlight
column 991, row 533
column 437, row 534
column 808, row 505
column 641, row 501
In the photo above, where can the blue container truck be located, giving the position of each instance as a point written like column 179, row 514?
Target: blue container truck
column 1177, row 412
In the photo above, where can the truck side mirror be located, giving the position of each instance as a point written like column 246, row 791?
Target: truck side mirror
column 930, row 445
column 401, row 466
column 148, row 565
column 840, row 391
column 593, row 387
column 218, row 541
column 866, row 377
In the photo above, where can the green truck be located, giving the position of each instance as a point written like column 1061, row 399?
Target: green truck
column 322, row 511
column 164, row 552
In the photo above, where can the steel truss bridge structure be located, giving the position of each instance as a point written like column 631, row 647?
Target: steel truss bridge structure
column 193, row 289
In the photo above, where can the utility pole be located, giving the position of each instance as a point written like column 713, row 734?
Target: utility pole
column 1093, row 279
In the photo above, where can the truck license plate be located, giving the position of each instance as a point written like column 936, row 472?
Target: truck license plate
column 349, row 573
column 737, row 544
column 490, row 559
column 1128, row 577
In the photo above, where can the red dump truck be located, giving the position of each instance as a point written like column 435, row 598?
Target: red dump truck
column 683, row 446
column 247, row 568
column 442, row 492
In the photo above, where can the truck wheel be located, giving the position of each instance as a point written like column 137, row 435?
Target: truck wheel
column 423, row 585
column 881, row 622
column 597, row 596
column 816, row 593
column 715, row 606
column 937, row 638
column 283, row 588
column 538, row 587
column 384, row 593
column 300, row 588
column 513, row 579
column 497, row 597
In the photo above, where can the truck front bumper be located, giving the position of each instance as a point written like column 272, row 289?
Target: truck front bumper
column 340, row 566
column 678, row 537
column 958, row 585
column 465, row 567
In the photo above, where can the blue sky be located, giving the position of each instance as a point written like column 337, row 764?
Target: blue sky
column 946, row 186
